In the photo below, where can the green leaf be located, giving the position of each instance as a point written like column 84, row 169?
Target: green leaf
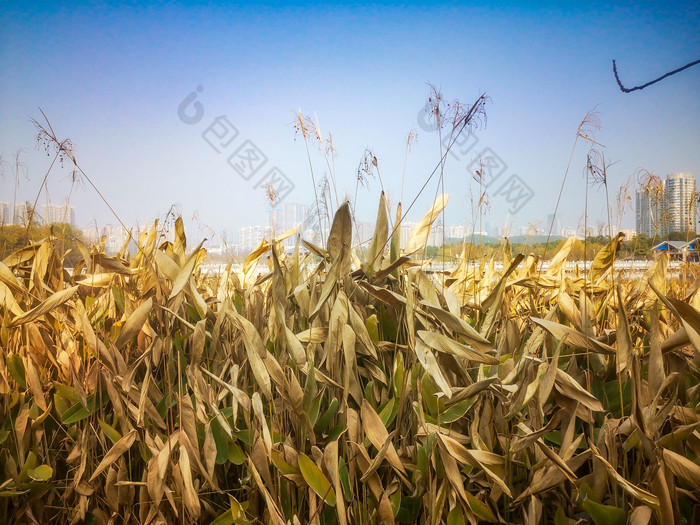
column 325, row 420
column 480, row 509
column 373, row 328
column 608, row 392
column 62, row 405
column 605, row 514
column 455, row 517
column 225, row 518
column 41, row 473
column 395, row 500
column 16, row 367
column 118, row 297
column 345, row 479
column 278, row 459
column 309, row 387
column 586, row 492
column 456, row 411
column 110, row 432
column 368, row 392
column 89, row 519
column 316, row 480
column 410, row 508
column 246, row 436
column 221, row 440
column 235, row 454
column 77, row 412
column 560, row 517
column 421, row 464
column 66, row 392
column 335, row 432
column 388, row 413
column 430, row 400
column 314, row 409
column 238, row 303
column 29, row 463
column 12, row 493
column 398, row 375
column 74, row 414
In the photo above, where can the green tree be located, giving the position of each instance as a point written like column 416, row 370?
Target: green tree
column 14, row 237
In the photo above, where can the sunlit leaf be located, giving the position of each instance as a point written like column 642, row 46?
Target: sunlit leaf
column 316, row 480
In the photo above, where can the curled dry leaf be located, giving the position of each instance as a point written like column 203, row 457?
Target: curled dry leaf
column 115, row 452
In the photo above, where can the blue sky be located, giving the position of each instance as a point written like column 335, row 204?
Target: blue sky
column 111, row 77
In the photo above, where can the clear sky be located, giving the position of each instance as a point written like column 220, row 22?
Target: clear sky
column 111, row 78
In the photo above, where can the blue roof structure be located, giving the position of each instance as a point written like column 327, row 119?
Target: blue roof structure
column 669, row 246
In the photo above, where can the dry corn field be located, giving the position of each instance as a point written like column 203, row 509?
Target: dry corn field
column 345, row 386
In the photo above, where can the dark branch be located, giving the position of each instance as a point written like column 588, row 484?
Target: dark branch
column 626, row 90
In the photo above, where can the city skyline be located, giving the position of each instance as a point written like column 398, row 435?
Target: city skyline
column 250, row 236
column 286, row 215
column 674, row 192
column 20, row 213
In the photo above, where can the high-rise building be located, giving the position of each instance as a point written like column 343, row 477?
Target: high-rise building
column 458, row 231
column 679, row 193
column 22, row 213
column 608, row 230
column 115, row 237
column 51, row 213
column 91, row 235
column 406, row 229
column 554, row 224
column 286, row 216
column 667, row 207
column 250, row 236
column 5, row 214
column 588, row 231
column 649, row 212
column 492, row 228
column 437, row 234
column 364, row 232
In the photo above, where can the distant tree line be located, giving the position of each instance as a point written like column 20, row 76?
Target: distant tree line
column 14, row 237
column 638, row 247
